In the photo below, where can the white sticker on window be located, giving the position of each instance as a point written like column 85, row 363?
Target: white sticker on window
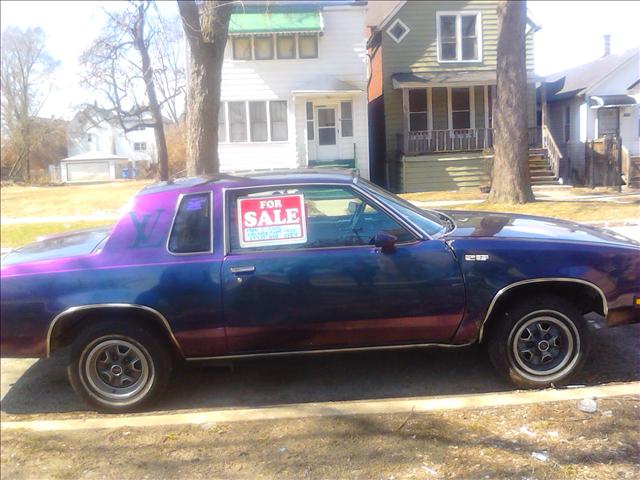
column 272, row 220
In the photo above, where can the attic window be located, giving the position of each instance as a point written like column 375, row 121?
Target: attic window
column 398, row 30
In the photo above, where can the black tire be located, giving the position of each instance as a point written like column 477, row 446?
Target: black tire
column 119, row 367
column 539, row 342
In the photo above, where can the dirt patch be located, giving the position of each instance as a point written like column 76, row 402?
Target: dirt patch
column 553, row 440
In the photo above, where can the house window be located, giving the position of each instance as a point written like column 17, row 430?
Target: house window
column 258, row 121
column 89, row 137
column 263, row 47
column 460, row 108
column 310, row 121
column 346, row 119
column 567, row 123
column 459, row 37
column 238, row 121
column 308, row 46
column 417, row 110
column 286, row 46
column 222, row 123
column 242, row 48
column 278, row 117
column 398, row 30
column 140, row 146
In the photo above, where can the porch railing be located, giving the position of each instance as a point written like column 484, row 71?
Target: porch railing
column 458, row 140
column 553, row 152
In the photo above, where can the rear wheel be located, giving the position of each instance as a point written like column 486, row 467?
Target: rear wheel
column 118, row 367
column 539, row 342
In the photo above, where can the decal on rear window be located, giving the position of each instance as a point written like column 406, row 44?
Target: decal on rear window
column 272, row 220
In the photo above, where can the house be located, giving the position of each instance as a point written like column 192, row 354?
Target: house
column 431, row 92
column 294, row 87
column 592, row 101
column 100, row 150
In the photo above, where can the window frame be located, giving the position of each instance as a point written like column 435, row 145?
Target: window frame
column 311, row 133
column 417, row 112
column 176, row 209
column 299, row 50
column 233, row 48
column 458, row 15
column 417, row 235
column 248, row 141
column 461, row 111
column 136, row 144
column 271, row 37
column 346, row 119
column 295, row 46
column 393, row 25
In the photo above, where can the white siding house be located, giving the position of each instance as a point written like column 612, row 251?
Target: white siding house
column 99, row 150
column 294, row 84
column 592, row 101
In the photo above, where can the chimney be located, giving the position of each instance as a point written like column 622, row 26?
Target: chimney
column 607, row 45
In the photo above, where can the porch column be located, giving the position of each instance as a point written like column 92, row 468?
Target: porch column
column 429, row 109
column 405, row 111
column 486, row 106
column 449, row 113
column 472, row 107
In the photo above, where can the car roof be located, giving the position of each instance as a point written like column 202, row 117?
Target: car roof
column 254, row 178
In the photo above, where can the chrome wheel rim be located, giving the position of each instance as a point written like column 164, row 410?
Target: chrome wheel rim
column 543, row 345
column 118, row 369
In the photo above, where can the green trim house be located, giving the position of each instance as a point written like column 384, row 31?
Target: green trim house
column 431, row 91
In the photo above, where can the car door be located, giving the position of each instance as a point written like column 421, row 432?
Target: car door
column 323, row 284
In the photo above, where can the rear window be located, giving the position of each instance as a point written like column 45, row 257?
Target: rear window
column 192, row 226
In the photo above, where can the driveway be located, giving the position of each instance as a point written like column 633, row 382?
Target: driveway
column 40, row 390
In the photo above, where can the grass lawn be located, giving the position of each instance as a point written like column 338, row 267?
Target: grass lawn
column 34, row 201
column 20, row 234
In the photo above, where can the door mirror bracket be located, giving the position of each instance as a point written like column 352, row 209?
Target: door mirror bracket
column 385, row 241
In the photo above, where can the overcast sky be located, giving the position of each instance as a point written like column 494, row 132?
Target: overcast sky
column 571, row 34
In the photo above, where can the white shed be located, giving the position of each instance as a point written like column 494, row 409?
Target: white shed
column 92, row 167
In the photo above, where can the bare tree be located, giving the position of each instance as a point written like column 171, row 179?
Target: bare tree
column 121, row 67
column 25, row 77
column 206, row 26
column 510, row 179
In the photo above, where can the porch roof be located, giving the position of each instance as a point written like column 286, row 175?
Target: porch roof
column 324, row 84
column 93, row 156
column 603, row 101
column 447, row 79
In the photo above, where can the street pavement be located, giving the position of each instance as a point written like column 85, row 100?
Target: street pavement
column 39, row 389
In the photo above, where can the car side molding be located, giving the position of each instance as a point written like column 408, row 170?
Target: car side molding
column 503, row 290
column 97, row 306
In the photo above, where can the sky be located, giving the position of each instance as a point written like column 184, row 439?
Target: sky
column 571, row 34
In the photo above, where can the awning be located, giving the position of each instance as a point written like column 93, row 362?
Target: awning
column 447, row 79
column 245, row 23
column 610, row 101
column 324, row 84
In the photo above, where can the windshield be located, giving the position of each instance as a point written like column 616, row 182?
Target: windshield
column 428, row 221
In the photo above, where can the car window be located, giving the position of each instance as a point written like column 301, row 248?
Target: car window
column 306, row 217
column 191, row 231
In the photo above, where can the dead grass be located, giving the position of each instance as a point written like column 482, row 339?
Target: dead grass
column 34, row 201
column 574, row 211
column 16, row 235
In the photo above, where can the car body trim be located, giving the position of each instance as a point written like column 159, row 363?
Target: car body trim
column 330, row 350
column 503, row 290
column 80, row 308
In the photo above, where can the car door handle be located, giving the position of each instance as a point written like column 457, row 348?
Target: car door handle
column 241, row 270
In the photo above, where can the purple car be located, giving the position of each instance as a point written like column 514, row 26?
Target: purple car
column 204, row 269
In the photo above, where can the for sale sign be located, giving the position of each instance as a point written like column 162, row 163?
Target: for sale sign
column 272, row 220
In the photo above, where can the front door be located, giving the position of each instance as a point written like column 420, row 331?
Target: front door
column 325, row 285
column 327, row 134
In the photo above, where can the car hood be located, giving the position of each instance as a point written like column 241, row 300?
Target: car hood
column 506, row 225
column 68, row 244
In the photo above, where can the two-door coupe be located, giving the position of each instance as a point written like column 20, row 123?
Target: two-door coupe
column 301, row 262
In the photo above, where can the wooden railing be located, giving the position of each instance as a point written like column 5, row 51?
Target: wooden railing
column 458, row 140
column 553, row 152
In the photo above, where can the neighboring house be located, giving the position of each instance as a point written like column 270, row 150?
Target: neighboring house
column 592, row 101
column 100, row 150
column 431, row 92
column 294, row 87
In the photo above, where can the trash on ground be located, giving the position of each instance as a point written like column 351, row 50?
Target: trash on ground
column 588, row 405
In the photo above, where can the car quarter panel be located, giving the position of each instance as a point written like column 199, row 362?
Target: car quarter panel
column 613, row 269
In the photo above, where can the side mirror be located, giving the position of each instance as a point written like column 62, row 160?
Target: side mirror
column 385, row 241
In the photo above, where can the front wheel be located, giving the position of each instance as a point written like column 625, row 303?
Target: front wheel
column 118, row 367
column 540, row 342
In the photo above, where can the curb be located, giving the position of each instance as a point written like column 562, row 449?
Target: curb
column 331, row 409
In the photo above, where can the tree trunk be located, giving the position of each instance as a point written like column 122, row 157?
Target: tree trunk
column 156, row 113
column 510, row 180
column 206, row 31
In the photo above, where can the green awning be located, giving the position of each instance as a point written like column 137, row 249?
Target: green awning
column 275, row 22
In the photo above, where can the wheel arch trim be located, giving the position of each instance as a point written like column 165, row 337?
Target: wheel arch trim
column 503, row 290
column 131, row 306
